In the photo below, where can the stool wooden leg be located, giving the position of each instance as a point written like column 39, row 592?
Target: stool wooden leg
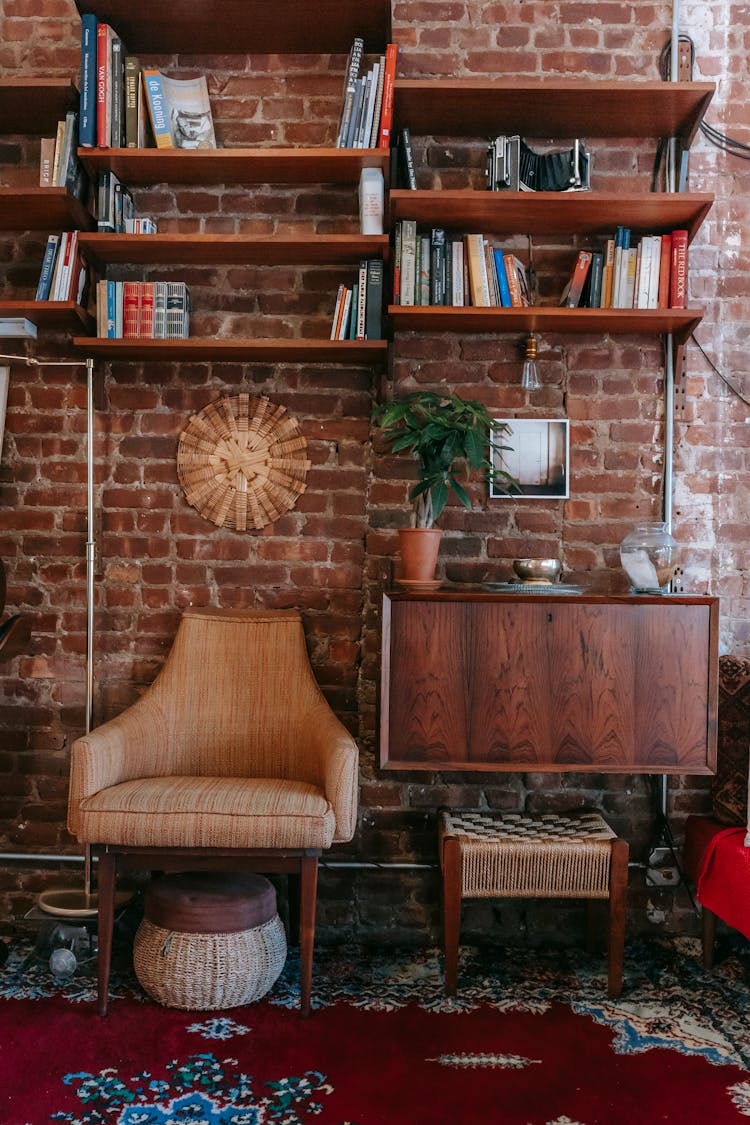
column 451, row 910
column 105, row 881
column 707, row 937
column 618, row 891
column 307, row 898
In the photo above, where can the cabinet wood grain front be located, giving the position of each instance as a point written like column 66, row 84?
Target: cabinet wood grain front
column 545, row 682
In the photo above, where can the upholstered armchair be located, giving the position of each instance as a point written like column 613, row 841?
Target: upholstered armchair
column 232, row 759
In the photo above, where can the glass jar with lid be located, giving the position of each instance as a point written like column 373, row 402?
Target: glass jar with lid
column 649, row 555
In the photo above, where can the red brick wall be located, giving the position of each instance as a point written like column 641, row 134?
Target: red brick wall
column 333, row 554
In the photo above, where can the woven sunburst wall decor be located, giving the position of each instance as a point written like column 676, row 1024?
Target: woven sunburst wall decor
column 241, row 462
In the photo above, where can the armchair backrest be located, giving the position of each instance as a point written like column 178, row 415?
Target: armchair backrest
column 237, row 691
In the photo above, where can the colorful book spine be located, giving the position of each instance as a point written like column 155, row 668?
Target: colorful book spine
column 375, row 133
column 157, row 108
column 346, row 315
column 160, row 310
column 336, row 319
column 608, row 274
column 678, row 281
column 104, row 37
column 87, row 105
column 386, row 114
column 665, row 271
column 46, row 161
column 48, row 265
column 578, row 279
column 424, row 265
column 132, row 76
column 111, row 310
column 502, row 278
column 147, row 298
column 131, row 309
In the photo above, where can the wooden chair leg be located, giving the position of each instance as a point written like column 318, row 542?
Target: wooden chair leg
column 618, row 892
column 707, row 937
column 307, row 899
column 106, row 880
column 451, row 910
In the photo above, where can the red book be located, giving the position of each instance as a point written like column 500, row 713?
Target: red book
column 146, row 310
column 678, row 281
column 104, row 37
column 386, row 113
column 572, row 293
column 665, row 270
column 130, row 310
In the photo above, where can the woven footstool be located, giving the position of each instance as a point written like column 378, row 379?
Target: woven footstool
column 514, row 855
column 209, row 941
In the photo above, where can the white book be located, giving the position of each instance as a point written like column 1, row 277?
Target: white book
column 408, row 260
column 18, row 327
column 378, row 104
column 160, row 310
column 653, row 280
column 57, row 277
column 627, row 286
column 642, row 275
column 347, row 312
column 372, row 92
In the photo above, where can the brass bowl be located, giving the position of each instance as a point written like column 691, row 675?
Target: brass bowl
column 538, row 570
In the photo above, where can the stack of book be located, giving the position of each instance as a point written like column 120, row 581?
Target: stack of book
column 115, row 210
column 58, row 163
column 359, row 308
column 436, row 268
column 649, row 275
column 126, row 106
column 367, row 105
column 146, row 310
column 64, row 273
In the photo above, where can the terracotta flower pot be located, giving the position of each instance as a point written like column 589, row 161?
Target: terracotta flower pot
column 419, row 552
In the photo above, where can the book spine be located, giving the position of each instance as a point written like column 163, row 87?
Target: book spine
column 397, row 265
column 424, row 269
column 514, row 288
column 408, row 261
column 176, row 310
column 354, row 63
column 87, row 105
column 146, row 304
column 157, row 108
column 104, row 38
column 458, row 292
column 59, row 266
column 619, row 292
column 607, row 274
column 132, row 85
column 78, row 279
column 407, row 160
column 627, row 291
column 437, row 267
column 368, row 107
column 118, row 309
column 386, row 116
column 46, row 161
column 116, row 94
column 502, row 279
column 101, row 305
column 362, row 300
column 59, row 142
column 130, row 310
column 678, row 281
column 346, row 315
column 665, row 271
column 336, row 313
column 375, row 133
column 596, row 275
column 474, row 252
column 578, row 279
column 111, row 310
column 652, row 297
column 48, row 264
column 160, row 310
column 489, row 265
column 351, row 136
column 71, row 253
column 374, row 300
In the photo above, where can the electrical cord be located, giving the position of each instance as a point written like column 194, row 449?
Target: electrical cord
column 726, row 143
column 721, row 375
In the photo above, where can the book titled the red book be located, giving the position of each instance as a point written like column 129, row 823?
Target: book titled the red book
column 678, row 281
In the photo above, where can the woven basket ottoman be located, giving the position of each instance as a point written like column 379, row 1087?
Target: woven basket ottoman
column 515, row 855
column 209, row 941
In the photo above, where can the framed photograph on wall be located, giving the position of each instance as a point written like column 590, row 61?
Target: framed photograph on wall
column 536, row 453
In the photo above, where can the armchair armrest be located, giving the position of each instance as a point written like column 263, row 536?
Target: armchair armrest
column 330, row 743
column 129, row 746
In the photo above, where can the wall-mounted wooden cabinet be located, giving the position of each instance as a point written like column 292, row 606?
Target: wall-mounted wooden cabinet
column 549, row 682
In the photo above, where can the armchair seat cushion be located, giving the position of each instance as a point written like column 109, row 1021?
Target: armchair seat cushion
column 208, row 812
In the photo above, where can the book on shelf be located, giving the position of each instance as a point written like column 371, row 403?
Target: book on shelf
column 132, row 136
column 117, row 93
column 479, row 288
column 619, row 276
column 502, row 278
column 87, row 103
column 608, row 274
column 678, row 280
column 422, row 269
column 375, row 130
column 160, row 310
column 131, row 313
column 665, row 271
column 408, row 261
column 628, row 265
column 405, row 160
column 104, row 39
column 374, row 300
column 59, row 140
column 594, row 281
column 146, row 310
column 337, row 312
column 353, row 65
column 517, row 281
column 347, row 309
column 573, row 291
column 46, row 161
column 397, row 264
column 145, row 225
column 48, row 264
column 458, row 288
column 361, row 299
column 386, row 113
column 179, row 110
column 177, row 311
column 17, row 327
column 436, row 277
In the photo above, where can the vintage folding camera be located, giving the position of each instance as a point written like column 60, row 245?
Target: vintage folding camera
column 555, row 171
column 503, row 164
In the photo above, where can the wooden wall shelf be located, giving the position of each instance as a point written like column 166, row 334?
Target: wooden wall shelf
column 33, row 106
column 50, row 314
column 357, row 353
column 235, row 165
column 650, row 322
column 232, row 249
column 553, row 213
column 227, row 27
column 542, row 682
column 551, row 108
column 42, row 208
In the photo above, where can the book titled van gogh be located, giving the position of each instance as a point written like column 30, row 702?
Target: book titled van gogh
column 179, row 110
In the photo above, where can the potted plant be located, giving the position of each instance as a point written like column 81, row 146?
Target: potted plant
column 447, row 436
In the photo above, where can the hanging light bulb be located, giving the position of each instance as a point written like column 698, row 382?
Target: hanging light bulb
column 530, row 380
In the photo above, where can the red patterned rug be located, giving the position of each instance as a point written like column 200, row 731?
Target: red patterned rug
column 530, row 1040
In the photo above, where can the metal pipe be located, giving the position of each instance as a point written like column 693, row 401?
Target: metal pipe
column 90, row 544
